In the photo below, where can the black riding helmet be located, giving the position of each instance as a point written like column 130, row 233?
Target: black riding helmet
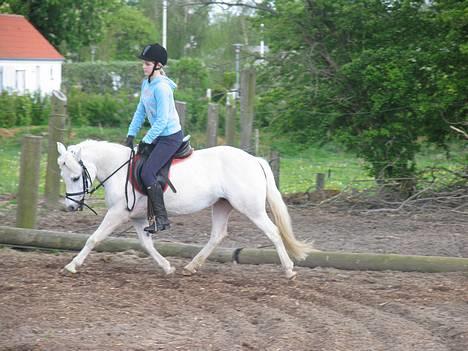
column 154, row 52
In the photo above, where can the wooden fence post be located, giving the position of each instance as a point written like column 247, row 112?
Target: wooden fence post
column 26, row 211
column 230, row 126
column 181, row 108
column 57, row 123
column 212, row 127
column 320, row 182
column 275, row 166
column 247, row 97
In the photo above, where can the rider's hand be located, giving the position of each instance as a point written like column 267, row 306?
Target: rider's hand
column 143, row 148
column 129, row 141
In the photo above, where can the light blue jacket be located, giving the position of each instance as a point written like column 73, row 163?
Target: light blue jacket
column 156, row 103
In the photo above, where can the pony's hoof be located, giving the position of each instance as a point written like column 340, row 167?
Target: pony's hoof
column 69, row 268
column 170, row 271
column 188, row 272
column 291, row 275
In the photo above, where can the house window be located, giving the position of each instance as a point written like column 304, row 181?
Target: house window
column 51, row 73
column 20, row 82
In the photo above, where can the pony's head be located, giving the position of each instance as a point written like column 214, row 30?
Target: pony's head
column 77, row 175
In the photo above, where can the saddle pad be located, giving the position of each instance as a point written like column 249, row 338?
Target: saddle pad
column 135, row 172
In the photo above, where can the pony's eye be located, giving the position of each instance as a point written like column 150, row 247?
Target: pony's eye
column 75, row 179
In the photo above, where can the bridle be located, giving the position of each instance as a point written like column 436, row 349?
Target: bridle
column 88, row 182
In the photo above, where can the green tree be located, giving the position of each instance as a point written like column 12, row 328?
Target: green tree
column 186, row 24
column 127, row 31
column 375, row 75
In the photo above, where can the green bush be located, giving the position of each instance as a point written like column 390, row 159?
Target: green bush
column 96, row 77
column 7, row 110
column 107, row 110
column 41, row 109
column 93, row 99
column 23, row 109
column 197, row 110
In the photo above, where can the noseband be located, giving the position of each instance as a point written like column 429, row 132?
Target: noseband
column 87, row 182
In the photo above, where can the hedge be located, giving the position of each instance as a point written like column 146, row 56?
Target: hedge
column 106, row 94
column 23, row 110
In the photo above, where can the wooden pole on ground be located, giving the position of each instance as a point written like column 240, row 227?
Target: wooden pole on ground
column 26, row 211
column 230, row 127
column 181, row 108
column 247, row 99
column 212, row 125
column 341, row 260
column 57, row 123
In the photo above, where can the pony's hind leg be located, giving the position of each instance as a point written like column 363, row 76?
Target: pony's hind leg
column 112, row 220
column 220, row 215
column 147, row 244
column 271, row 230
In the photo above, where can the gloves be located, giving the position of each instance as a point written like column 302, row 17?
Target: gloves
column 144, row 149
column 129, row 141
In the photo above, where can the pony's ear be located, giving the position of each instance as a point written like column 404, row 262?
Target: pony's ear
column 61, row 148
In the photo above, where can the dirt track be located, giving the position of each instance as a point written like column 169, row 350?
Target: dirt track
column 124, row 302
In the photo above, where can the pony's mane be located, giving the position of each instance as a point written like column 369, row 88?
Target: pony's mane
column 91, row 142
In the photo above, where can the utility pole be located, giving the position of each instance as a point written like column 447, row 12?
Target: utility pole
column 164, row 24
column 237, row 48
column 262, row 43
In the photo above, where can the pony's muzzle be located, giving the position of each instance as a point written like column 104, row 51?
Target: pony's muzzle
column 71, row 207
column 72, row 204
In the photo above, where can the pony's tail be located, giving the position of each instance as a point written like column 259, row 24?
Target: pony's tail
column 299, row 249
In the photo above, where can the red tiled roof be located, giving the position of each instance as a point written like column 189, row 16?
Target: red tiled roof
column 20, row 40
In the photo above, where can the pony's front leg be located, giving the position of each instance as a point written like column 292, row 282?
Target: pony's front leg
column 147, row 244
column 112, row 220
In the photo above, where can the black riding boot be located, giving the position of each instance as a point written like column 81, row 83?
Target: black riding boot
column 157, row 215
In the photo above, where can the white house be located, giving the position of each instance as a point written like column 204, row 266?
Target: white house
column 28, row 62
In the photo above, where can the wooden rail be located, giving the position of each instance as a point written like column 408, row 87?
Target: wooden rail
column 11, row 236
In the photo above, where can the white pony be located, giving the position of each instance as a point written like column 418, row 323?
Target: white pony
column 222, row 177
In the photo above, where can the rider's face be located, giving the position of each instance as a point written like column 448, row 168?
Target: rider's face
column 148, row 67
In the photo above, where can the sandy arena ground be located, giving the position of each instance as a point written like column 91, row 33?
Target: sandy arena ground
column 125, row 302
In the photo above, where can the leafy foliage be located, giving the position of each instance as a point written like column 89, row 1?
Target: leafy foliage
column 190, row 73
column 127, row 31
column 104, row 77
column 23, row 110
column 374, row 75
column 104, row 110
column 95, row 99
column 7, row 112
column 186, row 25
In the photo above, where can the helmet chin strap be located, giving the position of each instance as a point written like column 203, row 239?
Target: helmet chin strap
column 154, row 69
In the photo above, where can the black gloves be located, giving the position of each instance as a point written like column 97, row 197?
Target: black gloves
column 144, row 148
column 129, row 141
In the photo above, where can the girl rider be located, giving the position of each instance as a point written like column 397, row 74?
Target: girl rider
column 165, row 135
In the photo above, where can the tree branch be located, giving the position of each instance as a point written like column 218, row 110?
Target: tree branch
column 462, row 132
column 233, row 4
